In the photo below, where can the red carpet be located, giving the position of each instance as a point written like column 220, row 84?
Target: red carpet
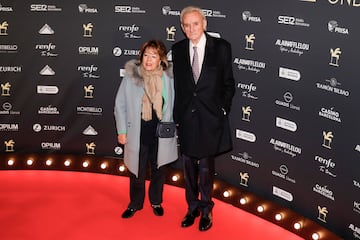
column 73, row 205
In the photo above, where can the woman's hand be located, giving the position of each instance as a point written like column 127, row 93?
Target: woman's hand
column 122, row 138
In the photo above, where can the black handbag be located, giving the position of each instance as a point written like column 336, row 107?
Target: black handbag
column 165, row 129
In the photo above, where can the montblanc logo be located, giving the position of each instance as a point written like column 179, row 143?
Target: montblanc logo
column 293, row 47
column 285, row 147
column 90, row 131
column 249, row 65
column 247, row 90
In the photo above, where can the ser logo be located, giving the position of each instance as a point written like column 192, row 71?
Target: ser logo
column 286, row 20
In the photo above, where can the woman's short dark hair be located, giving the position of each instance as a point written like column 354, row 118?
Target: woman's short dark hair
column 159, row 46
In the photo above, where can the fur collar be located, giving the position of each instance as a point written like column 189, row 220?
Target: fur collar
column 132, row 70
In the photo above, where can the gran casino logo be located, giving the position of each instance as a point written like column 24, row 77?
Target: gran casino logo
column 250, row 40
column 286, row 124
column 292, row 21
column 7, row 109
column 356, row 230
column 244, row 179
column 283, row 194
column 246, row 112
column 330, row 113
column 8, row 48
column 333, row 27
column 288, row 98
column 128, row 9
column 90, row 148
column 5, row 89
column 249, row 65
column 49, row 110
column 327, row 166
column 213, row 13
column 292, row 47
column 46, row 30
column 44, row 8
column 324, row 191
column 50, row 146
column 5, row 8
column 9, row 127
column 334, row 57
column 350, row 3
column 10, row 69
column 244, row 135
column 47, row 71
column 290, row 74
column 53, row 128
column 284, row 147
column 322, row 213
column 283, row 174
column 9, row 145
column 130, row 31
column 90, row 131
column 88, row 28
column 83, row 8
column 88, row 71
column 89, row 110
column 327, row 139
column 89, row 91
column 46, row 50
column 167, row 11
column 247, row 17
column 4, row 28
column 88, row 50
column 332, row 85
column 170, row 33
column 247, row 90
column 246, row 159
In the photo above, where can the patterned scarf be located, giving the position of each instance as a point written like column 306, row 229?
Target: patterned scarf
column 153, row 91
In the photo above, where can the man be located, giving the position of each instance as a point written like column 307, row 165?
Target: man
column 204, row 88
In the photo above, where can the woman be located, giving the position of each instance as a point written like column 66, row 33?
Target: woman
column 145, row 97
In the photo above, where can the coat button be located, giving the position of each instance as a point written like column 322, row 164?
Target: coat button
column 193, row 110
column 194, row 94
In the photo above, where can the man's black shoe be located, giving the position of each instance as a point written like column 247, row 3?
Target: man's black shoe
column 205, row 222
column 128, row 213
column 158, row 210
column 190, row 218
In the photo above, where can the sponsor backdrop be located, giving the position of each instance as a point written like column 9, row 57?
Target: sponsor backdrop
column 295, row 117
